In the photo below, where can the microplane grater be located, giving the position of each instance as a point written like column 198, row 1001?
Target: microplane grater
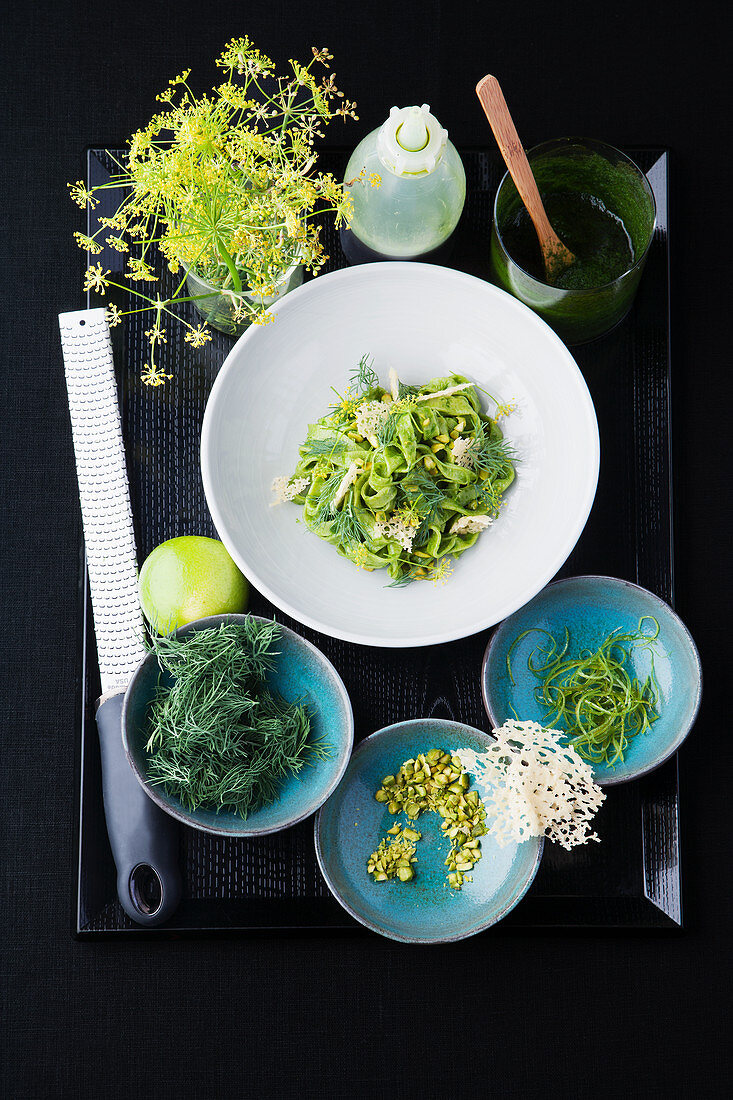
column 104, row 494
column 143, row 839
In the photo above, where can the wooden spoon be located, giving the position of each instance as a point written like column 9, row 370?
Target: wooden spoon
column 554, row 253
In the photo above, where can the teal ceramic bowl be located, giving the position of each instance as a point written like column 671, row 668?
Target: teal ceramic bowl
column 301, row 674
column 351, row 824
column 591, row 607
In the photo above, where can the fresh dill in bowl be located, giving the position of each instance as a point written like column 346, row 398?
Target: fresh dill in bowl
column 220, row 739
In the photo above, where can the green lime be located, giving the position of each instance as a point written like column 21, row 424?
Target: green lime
column 189, row 578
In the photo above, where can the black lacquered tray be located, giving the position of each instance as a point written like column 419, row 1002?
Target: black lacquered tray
column 631, row 879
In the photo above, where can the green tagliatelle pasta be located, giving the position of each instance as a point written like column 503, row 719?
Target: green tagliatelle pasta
column 404, row 479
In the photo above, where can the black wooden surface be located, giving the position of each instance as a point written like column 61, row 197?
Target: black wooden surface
column 533, row 1014
column 632, row 879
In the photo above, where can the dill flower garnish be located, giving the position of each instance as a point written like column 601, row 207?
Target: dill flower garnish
column 197, row 336
column 119, row 244
column 345, row 408
column 153, row 375
column 88, row 243
column 138, row 269
column 360, row 556
column 96, row 279
column 156, row 335
column 223, row 185
column 81, row 196
column 442, row 571
column 505, row 409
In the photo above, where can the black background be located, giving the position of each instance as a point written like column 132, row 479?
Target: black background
column 530, row 1015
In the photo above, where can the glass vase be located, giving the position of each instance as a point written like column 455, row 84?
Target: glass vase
column 218, row 307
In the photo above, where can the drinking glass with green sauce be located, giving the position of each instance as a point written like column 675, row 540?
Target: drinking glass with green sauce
column 602, row 207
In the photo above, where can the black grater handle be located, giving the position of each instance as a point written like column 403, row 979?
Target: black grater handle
column 144, row 839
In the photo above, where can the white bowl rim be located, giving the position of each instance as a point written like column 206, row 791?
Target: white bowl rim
column 372, row 270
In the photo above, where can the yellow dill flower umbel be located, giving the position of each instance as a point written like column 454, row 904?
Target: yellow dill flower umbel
column 224, row 185
column 96, row 279
column 441, row 571
column 197, row 336
column 156, row 335
column 81, row 196
column 152, row 375
column 92, row 247
column 138, row 269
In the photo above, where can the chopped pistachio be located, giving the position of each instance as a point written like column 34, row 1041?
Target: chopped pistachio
column 433, row 781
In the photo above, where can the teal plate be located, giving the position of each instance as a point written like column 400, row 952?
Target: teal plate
column 591, row 607
column 351, row 824
column 301, row 675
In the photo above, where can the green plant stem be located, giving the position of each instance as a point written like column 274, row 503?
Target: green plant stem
column 230, row 266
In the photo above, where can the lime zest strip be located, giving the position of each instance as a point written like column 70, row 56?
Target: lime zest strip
column 593, row 697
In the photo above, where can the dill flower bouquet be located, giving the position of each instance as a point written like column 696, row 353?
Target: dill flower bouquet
column 223, row 187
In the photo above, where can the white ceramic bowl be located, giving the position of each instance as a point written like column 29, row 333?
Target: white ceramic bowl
column 425, row 321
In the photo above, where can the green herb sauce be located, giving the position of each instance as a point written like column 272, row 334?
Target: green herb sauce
column 597, row 237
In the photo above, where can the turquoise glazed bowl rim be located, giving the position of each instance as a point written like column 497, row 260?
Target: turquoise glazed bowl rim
column 345, row 738
column 557, row 143
column 611, row 780
column 426, row 724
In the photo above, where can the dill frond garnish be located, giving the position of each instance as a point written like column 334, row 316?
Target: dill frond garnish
column 418, row 487
column 491, row 454
column 220, row 739
column 407, row 391
column 325, row 509
column 387, row 429
column 347, row 526
column 404, row 580
column 420, row 492
column 319, row 448
column 364, row 379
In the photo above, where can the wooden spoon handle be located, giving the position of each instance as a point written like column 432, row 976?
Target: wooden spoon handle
column 492, row 100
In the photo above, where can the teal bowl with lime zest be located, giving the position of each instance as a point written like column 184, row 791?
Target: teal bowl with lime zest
column 591, row 608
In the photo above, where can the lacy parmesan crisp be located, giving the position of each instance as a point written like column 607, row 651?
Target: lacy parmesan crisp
column 288, row 488
column 398, row 529
column 370, row 416
column 536, row 786
column 462, row 452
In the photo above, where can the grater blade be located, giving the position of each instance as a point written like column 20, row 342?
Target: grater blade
column 104, row 495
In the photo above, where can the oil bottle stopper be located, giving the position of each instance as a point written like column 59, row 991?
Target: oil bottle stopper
column 411, row 141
